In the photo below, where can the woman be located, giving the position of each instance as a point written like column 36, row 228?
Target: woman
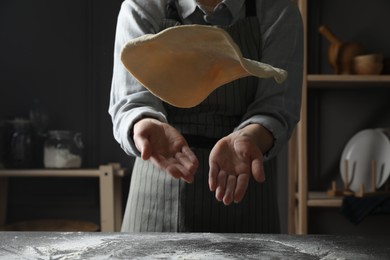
column 199, row 169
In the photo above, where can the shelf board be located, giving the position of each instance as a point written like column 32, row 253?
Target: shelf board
column 76, row 172
column 48, row 172
column 321, row 199
column 334, row 81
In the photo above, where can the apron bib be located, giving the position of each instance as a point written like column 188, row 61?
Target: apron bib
column 159, row 203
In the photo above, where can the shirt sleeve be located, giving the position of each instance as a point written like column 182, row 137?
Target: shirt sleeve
column 277, row 106
column 129, row 100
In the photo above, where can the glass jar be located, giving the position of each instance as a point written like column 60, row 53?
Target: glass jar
column 63, row 149
column 20, row 152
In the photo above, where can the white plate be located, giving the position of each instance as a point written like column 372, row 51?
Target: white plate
column 361, row 149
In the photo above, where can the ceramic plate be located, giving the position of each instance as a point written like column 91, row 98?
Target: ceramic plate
column 361, row 149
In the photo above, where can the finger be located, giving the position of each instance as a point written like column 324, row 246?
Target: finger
column 241, row 187
column 162, row 163
column 230, row 188
column 185, row 164
column 172, row 167
column 258, row 170
column 221, row 185
column 191, row 156
column 143, row 145
column 189, row 163
column 213, row 173
column 178, row 171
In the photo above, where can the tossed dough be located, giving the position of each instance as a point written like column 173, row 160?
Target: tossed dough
column 182, row 65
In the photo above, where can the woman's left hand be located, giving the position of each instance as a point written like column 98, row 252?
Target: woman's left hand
column 233, row 160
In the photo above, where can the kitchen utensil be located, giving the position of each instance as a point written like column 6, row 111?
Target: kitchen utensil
column 369, row 64
column 361, row 149
column 184, row 64
column 340, row 54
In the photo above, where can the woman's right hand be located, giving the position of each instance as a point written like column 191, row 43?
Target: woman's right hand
column 165, row 147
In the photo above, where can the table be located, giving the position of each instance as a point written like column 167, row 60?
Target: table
column 52, row 245
column 110, row 189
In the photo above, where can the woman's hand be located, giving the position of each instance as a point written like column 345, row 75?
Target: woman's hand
column 234, row 159
column 166, row 148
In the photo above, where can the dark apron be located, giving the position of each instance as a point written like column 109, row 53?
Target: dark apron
column 159, row 203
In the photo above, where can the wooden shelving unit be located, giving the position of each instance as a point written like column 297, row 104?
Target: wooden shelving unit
column 300, row 197
column 110, row 189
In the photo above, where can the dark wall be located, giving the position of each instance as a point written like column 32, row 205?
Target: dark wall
column 60, row 52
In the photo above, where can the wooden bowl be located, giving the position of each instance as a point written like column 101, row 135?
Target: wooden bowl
column 369, row 64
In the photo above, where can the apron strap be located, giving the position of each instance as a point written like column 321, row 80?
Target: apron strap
column 250, row 8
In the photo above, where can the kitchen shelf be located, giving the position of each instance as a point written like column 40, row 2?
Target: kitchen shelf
column 322, row 199
column 109, row 189
column 300, row 197
column 337, row 81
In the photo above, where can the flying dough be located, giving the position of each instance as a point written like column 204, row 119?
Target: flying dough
column 182, row 65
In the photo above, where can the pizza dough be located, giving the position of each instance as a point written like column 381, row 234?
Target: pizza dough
column 182, row 65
